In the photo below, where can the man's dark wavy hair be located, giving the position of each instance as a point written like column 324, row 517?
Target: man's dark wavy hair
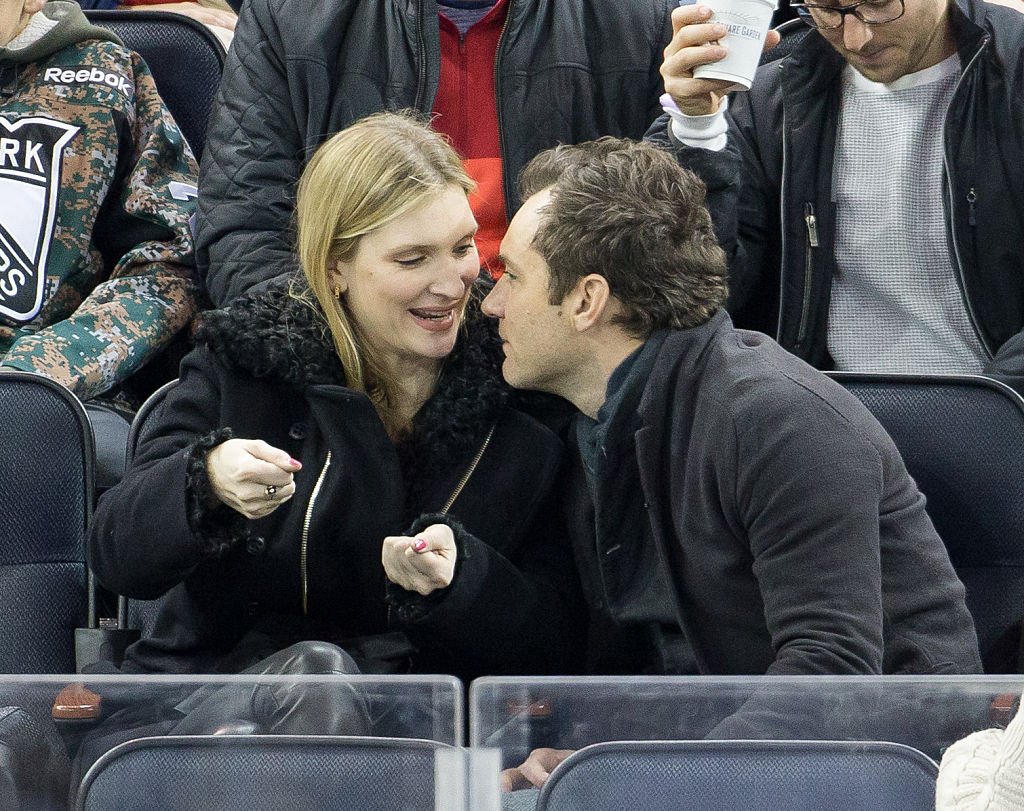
column 629, row 212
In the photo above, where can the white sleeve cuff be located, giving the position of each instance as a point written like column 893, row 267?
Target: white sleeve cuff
column 701, row 131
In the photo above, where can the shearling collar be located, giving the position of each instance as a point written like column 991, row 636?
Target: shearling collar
column 274, row 335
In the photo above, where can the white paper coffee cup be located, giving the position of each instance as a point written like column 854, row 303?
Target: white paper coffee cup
column 747, row 22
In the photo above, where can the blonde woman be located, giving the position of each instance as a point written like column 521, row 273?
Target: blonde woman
column 340, row 458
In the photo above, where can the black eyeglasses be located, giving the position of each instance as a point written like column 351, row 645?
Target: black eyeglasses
column 869, row 12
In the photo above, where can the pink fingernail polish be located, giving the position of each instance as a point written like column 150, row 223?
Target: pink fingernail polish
column 295, row 463
column 420, row 545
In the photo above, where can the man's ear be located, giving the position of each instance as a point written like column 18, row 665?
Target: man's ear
column 587, row 303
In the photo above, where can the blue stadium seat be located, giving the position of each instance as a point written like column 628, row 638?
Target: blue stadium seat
column 742, row 776
column 962, row 438
column 47, row 472
column 141, row 614
column 263, row 773
column 33, row 763
column 145, row 416
column 185, row 58
column 134, row 617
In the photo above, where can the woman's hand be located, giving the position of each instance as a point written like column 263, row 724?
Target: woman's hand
column 250, row 476
column 423, row 563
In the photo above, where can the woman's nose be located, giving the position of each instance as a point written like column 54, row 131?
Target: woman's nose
column 455, row 275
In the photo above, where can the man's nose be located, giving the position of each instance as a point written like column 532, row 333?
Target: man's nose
column 856, row 33
column 493, row 303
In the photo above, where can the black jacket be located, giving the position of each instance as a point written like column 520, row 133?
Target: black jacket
column 265, row 370
column 794, row 541
column 779, row 162
column 566, row 71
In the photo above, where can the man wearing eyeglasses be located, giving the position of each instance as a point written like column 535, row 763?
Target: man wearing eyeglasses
column 878, row 170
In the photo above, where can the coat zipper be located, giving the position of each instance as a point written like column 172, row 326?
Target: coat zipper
column 459, row 487
column 782, row 224
column 957, row 259
column 811, row 221
column 421, row 49
column 304, row 548
column 469, row 472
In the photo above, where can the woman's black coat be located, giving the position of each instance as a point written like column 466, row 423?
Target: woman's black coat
column 265, row 370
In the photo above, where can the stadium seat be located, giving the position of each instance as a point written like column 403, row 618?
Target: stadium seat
column 106, row 639
column 962, row 438
column 742, row 776
column 263, row 773
column 140, row 614
column 47, row 472
column 143, row 420
column 33, row 763
column 185, row 58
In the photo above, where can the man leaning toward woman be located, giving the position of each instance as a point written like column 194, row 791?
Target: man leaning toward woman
column 341, row 457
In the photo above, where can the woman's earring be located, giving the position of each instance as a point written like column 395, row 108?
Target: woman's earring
column 337, row 292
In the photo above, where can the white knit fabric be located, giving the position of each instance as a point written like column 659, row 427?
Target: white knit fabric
column 38, row 25
column 984, row 771
column 896, row 305
column 701, row 131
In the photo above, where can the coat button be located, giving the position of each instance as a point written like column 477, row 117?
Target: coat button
column 255, row 546
column 297, row 431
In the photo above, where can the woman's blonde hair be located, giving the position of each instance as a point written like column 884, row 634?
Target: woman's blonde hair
column 359, row 180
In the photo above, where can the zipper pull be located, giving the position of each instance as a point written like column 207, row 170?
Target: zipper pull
column 812, row 224
column 972, row 198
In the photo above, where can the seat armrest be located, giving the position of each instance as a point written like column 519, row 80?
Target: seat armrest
column 76, row 702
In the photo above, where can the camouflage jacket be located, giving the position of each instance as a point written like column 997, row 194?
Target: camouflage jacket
column 96, row 188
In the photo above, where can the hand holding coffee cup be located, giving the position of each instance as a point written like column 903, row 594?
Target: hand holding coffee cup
column 712, row 53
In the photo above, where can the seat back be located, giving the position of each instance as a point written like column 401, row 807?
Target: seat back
column 185, row 58
column 962, row 439
column 146, row 417
column 263, row 773
column 141, row 614
column 742, row 776
column 46, row 467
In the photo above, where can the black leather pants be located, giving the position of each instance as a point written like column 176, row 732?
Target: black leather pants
column 296, row 706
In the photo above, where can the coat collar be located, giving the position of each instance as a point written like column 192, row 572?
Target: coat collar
column 680, row 354
column 275, row 335
column 815, row 65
